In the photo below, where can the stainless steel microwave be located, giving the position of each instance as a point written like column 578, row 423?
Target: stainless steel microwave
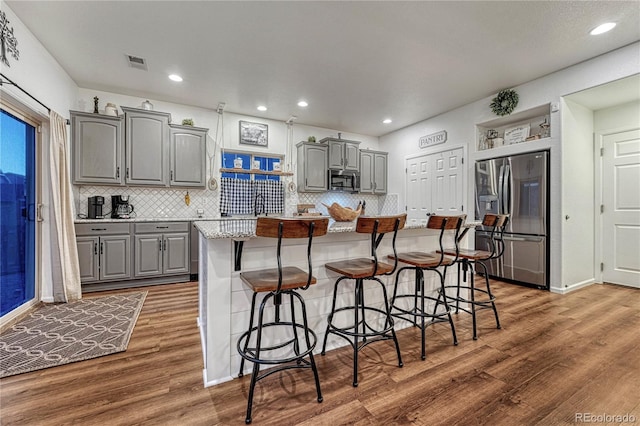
column 342, row 180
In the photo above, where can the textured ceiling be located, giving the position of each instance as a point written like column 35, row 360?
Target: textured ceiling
column 356, row 63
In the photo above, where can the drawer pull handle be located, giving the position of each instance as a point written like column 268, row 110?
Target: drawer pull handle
column 162, row 227
column 98, row 229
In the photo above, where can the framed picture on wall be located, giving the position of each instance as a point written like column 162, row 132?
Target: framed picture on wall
column 254, row 133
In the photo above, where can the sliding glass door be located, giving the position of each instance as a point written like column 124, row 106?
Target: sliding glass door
column 18, row 203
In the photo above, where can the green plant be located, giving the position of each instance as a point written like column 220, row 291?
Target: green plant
column 505, row 102
column 311, row 139
column 187, row 122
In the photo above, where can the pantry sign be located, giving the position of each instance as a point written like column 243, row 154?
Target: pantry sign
column 433, row 139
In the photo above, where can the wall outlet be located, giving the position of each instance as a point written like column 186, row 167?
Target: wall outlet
column 200, row 212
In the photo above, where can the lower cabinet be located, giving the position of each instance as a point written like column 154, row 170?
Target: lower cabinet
column 104, row 252
column 131, row 254
column 161, row 249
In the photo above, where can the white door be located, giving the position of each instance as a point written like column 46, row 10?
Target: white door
column 447, row 193
column 418, row 186
column 621, row 215
column 434, row 185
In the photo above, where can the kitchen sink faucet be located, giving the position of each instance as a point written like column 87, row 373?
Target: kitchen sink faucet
column 259, row 208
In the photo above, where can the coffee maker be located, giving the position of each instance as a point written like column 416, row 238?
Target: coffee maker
column 95, row 207
column 120, row 207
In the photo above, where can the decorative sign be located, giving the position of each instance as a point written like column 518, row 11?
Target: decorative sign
column 433, row 139
column 516, row 134
column 9, row 43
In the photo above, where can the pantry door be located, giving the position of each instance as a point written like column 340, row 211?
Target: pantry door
column 621, row 208
column 434, row 185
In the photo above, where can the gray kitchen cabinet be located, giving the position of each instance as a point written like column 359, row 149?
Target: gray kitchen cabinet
column 161, row 248
column 88, row 259
column 312, row 167
column 188, row 155
column 147, row 147
column 97, row 146
column 373, row 172
column 343, row 154
column 104, row 252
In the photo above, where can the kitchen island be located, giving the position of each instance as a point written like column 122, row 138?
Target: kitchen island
column 229, row 246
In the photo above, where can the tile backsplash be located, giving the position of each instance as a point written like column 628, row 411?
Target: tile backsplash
column 170, row 202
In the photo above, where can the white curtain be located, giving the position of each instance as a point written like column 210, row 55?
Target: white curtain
column 64, row 258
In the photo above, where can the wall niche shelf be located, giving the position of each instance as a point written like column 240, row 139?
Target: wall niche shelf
column 255, row 172
column 532, row 125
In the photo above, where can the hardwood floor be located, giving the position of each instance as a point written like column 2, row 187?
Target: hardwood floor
column 557, row 355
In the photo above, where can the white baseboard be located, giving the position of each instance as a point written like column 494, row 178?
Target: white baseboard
column 48, row 299
column 572, row 287
column 213, row 382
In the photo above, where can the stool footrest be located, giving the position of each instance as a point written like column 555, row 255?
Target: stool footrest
column 347, row 330
column 250, row 352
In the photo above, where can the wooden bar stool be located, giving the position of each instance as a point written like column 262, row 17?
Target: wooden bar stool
column 362, row 331
column 421, row 262
column 283, row 347
column 468, row 260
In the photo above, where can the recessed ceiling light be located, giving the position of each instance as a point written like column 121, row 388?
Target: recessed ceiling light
column 303, row 104
column 387, row 120
column 601, row 29
column 262, row 108
column 175, row 77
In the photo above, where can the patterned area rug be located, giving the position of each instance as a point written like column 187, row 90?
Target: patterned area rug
column 62, row 333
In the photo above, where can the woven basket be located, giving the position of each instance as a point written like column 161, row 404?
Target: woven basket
column 342, row 214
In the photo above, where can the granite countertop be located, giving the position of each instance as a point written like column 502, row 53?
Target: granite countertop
column 246, row 228
column 141, row 219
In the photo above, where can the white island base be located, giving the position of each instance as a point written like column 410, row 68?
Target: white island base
column 225, row 301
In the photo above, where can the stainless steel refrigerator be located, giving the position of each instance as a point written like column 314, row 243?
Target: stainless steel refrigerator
column 517, row 185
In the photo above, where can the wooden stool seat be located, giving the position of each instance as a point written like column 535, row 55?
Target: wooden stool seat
column 409, row 304
column 425, row 260
column 267, row 279
column 367, row 325
column 469, row 254
column 468, row 261
column 359, row 268
column 268, row 341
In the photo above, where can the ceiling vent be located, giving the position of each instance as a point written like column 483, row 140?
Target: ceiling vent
column 137, row 62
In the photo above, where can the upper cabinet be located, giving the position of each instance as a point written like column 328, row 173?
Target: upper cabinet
column 142, row 149
column 312, row 167
column 97, row 144
column 373, row 172
column 343, row 154
column 147, row 147
column 188, row 156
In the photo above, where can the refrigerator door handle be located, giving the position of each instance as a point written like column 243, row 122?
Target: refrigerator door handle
column 500, row 190
column 521, row 238
column 506, row 190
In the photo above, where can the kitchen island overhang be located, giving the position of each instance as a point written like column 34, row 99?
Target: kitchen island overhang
column 224, row 300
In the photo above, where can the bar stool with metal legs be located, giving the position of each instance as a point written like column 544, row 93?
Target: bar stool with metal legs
column 411, row 306
column 278, row 342
column 370, row 324
column 468, row 261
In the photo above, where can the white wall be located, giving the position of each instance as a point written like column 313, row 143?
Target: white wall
column 619, row 117
column 578, row 194
column 39, row 73
column 460, row 126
